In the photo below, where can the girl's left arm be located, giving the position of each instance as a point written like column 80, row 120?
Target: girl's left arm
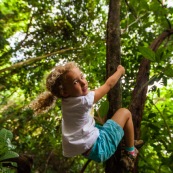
column 109, row 84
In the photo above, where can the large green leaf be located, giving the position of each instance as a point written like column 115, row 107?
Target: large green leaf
column 147, row 53
column 5, row 134
column 168, row 71
column 5, row 141
column 9, row 155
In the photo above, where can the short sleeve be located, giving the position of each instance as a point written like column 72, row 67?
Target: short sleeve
column 90, row 98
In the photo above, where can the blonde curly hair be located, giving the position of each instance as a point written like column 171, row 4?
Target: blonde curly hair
column 54, row 86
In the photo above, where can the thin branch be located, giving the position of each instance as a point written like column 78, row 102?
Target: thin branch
column 168, row 21
column 27, row 32
column 131, row 9
column 47, row 161
column 32, row 60
column 128, row 26
column 85, row 166
column 21, row 42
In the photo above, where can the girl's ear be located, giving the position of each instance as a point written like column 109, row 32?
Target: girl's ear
column 64, row 93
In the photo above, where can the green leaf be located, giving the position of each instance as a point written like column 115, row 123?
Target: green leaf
column 9, row 144
column 5, row 134
column 152, row 115
column 154, row 127
column 8, row 155
column 169, row 71
column 103, row 109
column 147, row 53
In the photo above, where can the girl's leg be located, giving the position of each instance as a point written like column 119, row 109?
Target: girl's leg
column 124, row 118
column 128, row 156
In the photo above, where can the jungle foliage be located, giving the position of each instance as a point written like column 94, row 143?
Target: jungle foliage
column 37, row 35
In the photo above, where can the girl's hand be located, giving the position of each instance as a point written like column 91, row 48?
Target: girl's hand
column 121, row 69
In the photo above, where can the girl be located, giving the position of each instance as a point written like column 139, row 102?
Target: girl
column 80, row 134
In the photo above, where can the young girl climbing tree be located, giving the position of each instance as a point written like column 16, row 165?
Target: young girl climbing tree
column 80, row 134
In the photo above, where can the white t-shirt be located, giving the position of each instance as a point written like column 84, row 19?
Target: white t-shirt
column 78, row 126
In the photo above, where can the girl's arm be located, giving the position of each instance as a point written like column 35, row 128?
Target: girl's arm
column 110, row 83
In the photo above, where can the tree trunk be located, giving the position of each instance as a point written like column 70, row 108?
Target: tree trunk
column 113, row 53
column 112, row 61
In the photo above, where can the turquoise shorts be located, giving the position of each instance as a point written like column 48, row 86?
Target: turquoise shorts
column 106, row 144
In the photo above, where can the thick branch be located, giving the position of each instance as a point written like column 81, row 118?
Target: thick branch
column 140, row 90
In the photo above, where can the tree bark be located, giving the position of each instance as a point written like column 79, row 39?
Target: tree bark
column 112, row 61
column 113, row 53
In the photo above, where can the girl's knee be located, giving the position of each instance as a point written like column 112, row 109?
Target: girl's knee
column 121, row 116
column 122, row 113
column 125, row 111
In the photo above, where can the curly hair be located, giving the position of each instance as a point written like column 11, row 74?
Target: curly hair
column 54, row 86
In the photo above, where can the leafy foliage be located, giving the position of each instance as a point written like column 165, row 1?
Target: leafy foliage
column 156, row 130
column 6, row 147
column 48, row 32
column 101, row 113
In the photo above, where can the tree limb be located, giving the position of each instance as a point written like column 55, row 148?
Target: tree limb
column 32, row 60
column 139, row 93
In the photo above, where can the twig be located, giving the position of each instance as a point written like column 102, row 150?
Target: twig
column 47, row 161
column 85, row 166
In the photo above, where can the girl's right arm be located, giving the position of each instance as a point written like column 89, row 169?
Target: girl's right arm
column 109, row 84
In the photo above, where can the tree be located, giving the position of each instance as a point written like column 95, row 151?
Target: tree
column 139, row 93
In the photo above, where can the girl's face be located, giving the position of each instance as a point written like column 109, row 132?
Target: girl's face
column 75, row 84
